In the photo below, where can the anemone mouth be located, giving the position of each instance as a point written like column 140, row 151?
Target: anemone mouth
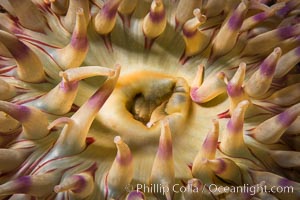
column 154, row 91
column 134, row 110
column 142, row 107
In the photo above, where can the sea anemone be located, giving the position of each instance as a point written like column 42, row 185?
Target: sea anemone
column 141, row 99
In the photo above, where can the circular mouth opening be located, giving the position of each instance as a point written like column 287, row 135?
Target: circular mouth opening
column 147, row 103
column 140, row 101
column 142, row 107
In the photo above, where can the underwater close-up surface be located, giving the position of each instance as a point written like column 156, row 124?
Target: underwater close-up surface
column 150, row 99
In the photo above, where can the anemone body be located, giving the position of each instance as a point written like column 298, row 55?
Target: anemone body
column 157, row 99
